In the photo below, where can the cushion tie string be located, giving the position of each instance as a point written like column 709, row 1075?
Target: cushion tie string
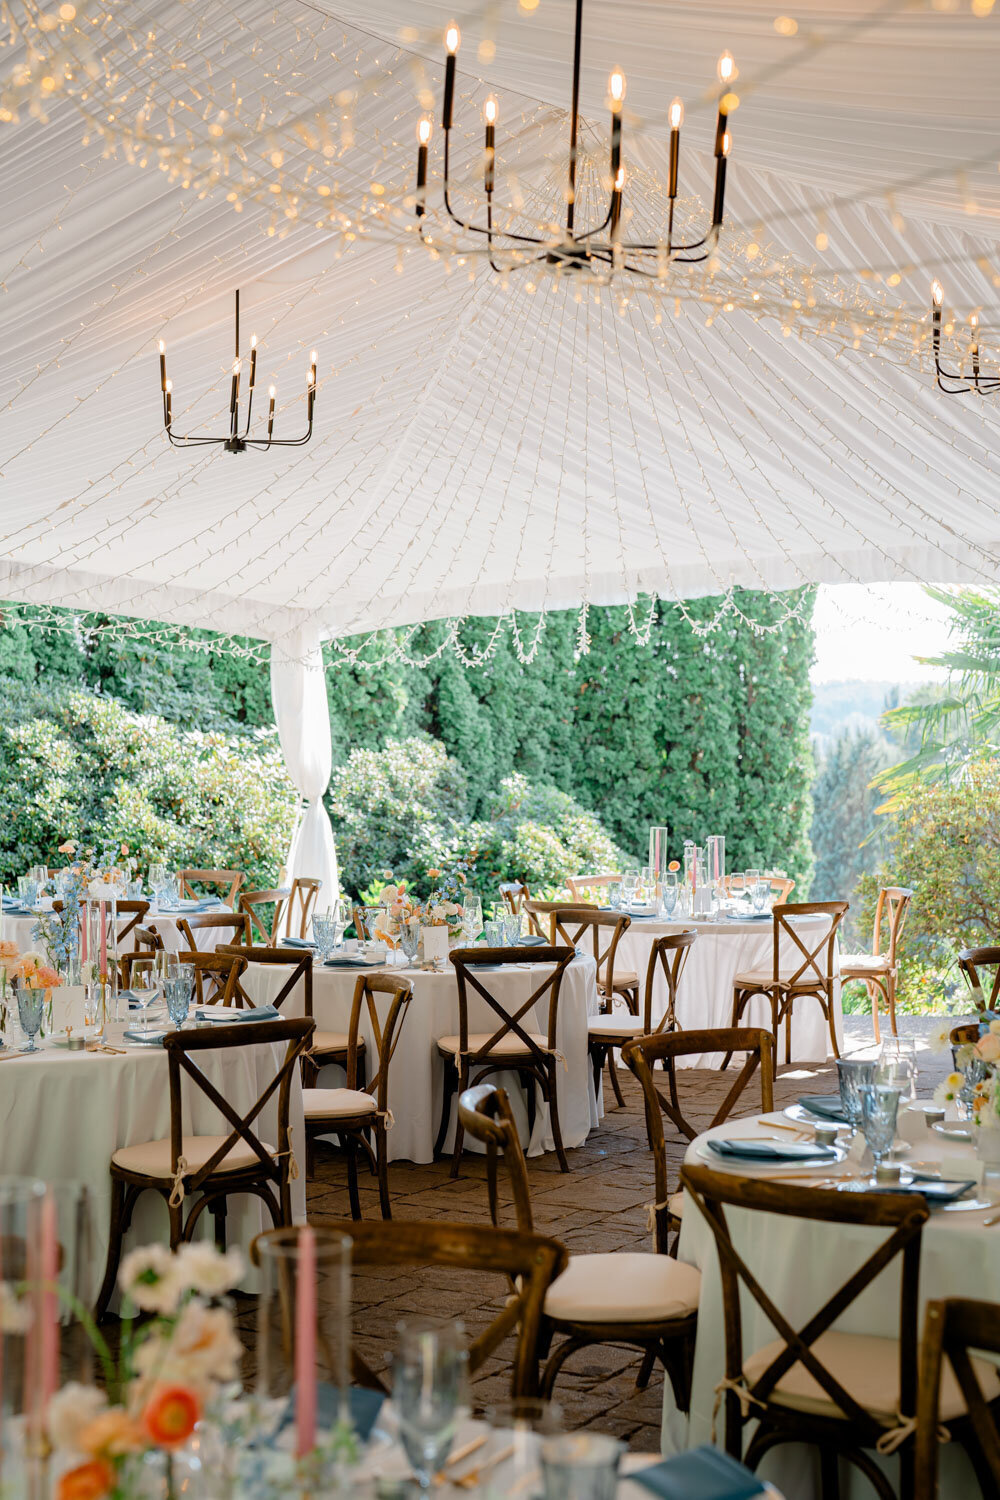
column 293, row 1166
column 736, row 1384
column 388, row 1116
column 895, row 1437
column 177, row 1188
column 652, row 1209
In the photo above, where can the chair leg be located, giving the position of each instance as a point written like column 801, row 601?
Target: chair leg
column 596, row 1065
column 829, row 1473
column 554, row 1116
column 613, row 1075
column 890, row 1000
column 873, row 993
column 219, row 1207
column 351, row 1152
column 738, row 1003
column 382, row 1149
column 645, row 1369
column 115, row 1236
column 447, row 1093
column 462, row 1085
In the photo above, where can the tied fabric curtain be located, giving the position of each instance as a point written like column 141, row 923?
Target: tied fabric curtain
column 302, row 714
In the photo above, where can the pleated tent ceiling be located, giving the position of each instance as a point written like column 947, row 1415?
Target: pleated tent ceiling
column 480, row 447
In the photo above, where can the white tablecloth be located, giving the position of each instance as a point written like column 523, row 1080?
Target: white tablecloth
column 705, row 993
column 19, row 930
column 417, row 1071
column 800, row 1264
column 63, row 1114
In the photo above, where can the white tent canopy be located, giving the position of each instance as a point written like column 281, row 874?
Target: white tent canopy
column 479, row 447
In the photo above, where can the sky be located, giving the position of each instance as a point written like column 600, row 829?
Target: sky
column 873, row 632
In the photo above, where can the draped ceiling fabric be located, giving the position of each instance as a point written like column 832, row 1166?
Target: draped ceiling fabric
column 479, row 447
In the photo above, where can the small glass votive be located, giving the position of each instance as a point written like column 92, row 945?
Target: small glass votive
column 933, row 1114
column 826, row 1135
column 887, row 1172
column 580, row 1466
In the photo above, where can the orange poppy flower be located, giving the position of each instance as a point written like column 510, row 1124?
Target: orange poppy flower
column 171, row 1414
column 90, row 1481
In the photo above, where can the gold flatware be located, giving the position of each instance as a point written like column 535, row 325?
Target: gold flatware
column 994, row 1219
column 470, row 1479
column 466, row 1450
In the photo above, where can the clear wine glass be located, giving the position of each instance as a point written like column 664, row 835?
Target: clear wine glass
column 428, row 1392
column 409, row 938
column 29, row 1012
column 879, row 1107
column 472, row 916
column 853, row 1074
column 759, row 893
column 897, row 1064
column 178, row 997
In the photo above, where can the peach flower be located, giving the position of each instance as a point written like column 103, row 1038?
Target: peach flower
column 110, row 1435
column 88, row 1481
column 171, row 1415
column 988, row 1047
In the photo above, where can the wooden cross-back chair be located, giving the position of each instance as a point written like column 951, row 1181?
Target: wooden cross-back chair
column 515, row 893
column 648, row 1301
column 580, row 885
column 840, row 1392
column 880, row 971
column 361, row 1110
column 147, row 942
column 643, row 1053
column 130, row 916
column 469, row 1057
column 810, row 976
column 608, row 1031
column 953, row 1327
column 971, row 961
column 220, row 927
column 217, row 977
column 210, row 1167
column 230, row 880
column 575, row 922
column 301, row 900
column 530, row 1261
column 251, row 904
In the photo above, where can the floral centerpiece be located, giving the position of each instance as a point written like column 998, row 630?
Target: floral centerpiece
column 31, row 972
column 8, row 964
column 169, row 1373
column 974, row 1086
column 442, row 908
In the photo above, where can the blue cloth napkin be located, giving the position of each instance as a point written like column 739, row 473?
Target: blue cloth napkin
column 202, row 903
column 348, row 963
column 703, row 1474
column 365, row 1407
column 931, row 1188
column 768, row 1151
column 826, row 1106
column 296, row 942
column 259, row 1013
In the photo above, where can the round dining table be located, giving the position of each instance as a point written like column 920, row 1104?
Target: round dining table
column 724, row 948
column 63, row 1113
column 416, row 1073
column 19, row 927
column 801, row 1263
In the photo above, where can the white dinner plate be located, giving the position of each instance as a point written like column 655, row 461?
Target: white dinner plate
column 735, row 1164
column 954, row 1130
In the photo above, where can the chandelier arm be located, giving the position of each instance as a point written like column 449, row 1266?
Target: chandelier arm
column 509, row 234
column 180, row 440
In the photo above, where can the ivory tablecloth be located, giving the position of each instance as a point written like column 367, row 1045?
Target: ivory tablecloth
column 417, row 1071
column 62, row 1114
column 705, row 993
column 800, row 1264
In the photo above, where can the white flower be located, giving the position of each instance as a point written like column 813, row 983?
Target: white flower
column 15, row 1312
column 201, row 1347
column 149, row 1276
column 388, row 894
column 205, row 1269
column 995, row 1027
column 70, row 1411
column 940, row 1039
column 946, row 1091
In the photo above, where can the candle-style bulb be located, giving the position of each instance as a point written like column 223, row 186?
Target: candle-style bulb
column 727, row 68
column 169, row 387
column 677, row 114
column 490, row 111
column 973, row 321
column 619, row 179
column 727, row 143
column 937, row 293
column 452, row 37
column 236, row 367
column 313, row 357
column 253, row 341
column 272, row 391
column 424, row 128
column 163, row 347
column 616, row 88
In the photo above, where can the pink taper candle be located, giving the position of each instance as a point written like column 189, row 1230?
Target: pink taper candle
column 49, row 1373
column 104, row 941
column 305, row 1344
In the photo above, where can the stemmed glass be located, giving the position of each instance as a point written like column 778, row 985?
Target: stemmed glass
column 409, row 938
column 472, row 916
column 325, row 926
column 144, row 984
column 897, row 1064
column 178, row 997
column 428, row 1393
column 29, row 1013
column 879, row 1107
column 853, row 1075
column 668, row 898
column 759, row 893
column 975, row 1071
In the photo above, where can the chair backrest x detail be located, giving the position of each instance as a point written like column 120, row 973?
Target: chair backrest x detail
column 385, row 1035
column 230, row 927
column 952, row 1328
column 465, row 961
column 301, row 900
column 812, row 960
column 230, row 879
column 972, row 961
column 669, row 953
column 892, row 905
column 298, row 963
column 252, row 902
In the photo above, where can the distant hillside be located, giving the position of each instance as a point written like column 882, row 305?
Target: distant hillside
column 852, row 705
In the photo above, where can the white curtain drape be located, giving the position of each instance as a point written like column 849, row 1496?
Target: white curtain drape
column 302, row 714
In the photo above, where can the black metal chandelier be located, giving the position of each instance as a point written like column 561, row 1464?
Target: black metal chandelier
column 959, row 382
column 600, row 248
column 235, row 441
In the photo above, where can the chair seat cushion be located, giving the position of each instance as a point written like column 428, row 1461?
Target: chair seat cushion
column 616, row 1028
column 331, row 1103
column 868, row 1369
column 333, row 1041
column 623, row 1288
column 624, row 980
column 751, row 979
column 152, row 1158
column 509, row 1045
column 675, row 1205
column 865, row 963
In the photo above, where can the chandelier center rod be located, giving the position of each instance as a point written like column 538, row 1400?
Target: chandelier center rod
column 574, row 118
